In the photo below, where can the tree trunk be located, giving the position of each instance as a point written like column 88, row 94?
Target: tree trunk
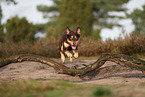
column 121, row 59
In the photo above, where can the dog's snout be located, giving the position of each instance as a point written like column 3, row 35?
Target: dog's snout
column 74, row 43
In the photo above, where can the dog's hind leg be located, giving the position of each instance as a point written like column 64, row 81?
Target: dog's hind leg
column 62, row 57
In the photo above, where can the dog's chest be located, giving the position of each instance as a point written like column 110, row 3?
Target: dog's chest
column 66, row 45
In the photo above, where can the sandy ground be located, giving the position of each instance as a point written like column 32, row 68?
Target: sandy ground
column 109, row 73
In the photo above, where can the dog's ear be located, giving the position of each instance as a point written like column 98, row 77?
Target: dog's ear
column 78, row 30
column 67, row 30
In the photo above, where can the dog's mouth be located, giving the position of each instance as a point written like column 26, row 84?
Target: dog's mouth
column 73, row 47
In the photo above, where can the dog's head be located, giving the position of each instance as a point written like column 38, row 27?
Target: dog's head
column 73, row 37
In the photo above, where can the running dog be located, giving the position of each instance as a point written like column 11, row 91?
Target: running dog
column 69, row 43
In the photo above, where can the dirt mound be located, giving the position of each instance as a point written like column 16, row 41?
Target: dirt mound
column 109, row 73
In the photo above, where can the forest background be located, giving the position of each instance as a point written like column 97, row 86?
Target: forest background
column 17, row 35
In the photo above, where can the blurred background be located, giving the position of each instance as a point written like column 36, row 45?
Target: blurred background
column 35, row 26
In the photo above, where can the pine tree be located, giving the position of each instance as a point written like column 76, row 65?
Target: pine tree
column 138, row 18
column 2, row 35
column 10, row 1
column 1, row 27
column 19, row 29
column 75, row 13
column 99, row 9
column 50, row 9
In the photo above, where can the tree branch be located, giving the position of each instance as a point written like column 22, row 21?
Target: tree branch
column 121, row 59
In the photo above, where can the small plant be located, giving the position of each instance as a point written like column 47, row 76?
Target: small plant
column 100, row 91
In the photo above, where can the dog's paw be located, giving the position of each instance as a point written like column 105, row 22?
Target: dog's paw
column 68, row 54
column 71, row 59
column 76, row 55
column 62, row 57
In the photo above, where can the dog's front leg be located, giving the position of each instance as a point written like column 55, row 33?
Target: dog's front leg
column 62, row 57
column 69, row 55
column 75, row 53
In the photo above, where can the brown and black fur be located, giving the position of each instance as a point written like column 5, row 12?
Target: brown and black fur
column 69, row 43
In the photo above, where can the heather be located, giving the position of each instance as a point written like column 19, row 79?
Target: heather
column 129, row 45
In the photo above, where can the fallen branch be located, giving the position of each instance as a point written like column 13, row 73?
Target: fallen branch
column 121, row 59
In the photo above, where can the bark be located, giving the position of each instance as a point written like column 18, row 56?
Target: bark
column 121, row 59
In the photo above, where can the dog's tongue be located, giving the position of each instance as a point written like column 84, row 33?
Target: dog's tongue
column 73, row 47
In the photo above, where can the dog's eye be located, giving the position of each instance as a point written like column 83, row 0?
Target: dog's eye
column 71, row 39
column 76, row 39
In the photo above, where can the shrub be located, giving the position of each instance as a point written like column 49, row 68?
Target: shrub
column 130, row 45
column 100, row 91
column 18, row 29
column 133, row 44
column 44, row 47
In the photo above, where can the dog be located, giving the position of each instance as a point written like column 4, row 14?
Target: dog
column 68, row 44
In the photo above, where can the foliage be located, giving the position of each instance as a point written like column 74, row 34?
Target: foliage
column 51, row 32
column 75, row 14
column 23, row 87
column 55, row 88
column 1, row 27
column 46, row 48
column 49, row 27
column 100, row 91
column 138, row 18
column 96, row 34
column 47, row 9
column 31, row 88
column 1, row 33
column 130, row 45
column 19, row 29
column 11, row 1
column 101, row 9
column 60, row 88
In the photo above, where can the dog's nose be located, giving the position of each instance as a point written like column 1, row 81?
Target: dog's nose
column 74, row 44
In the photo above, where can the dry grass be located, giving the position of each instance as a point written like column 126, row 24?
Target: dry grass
column 44, row 47
column 130, row 45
